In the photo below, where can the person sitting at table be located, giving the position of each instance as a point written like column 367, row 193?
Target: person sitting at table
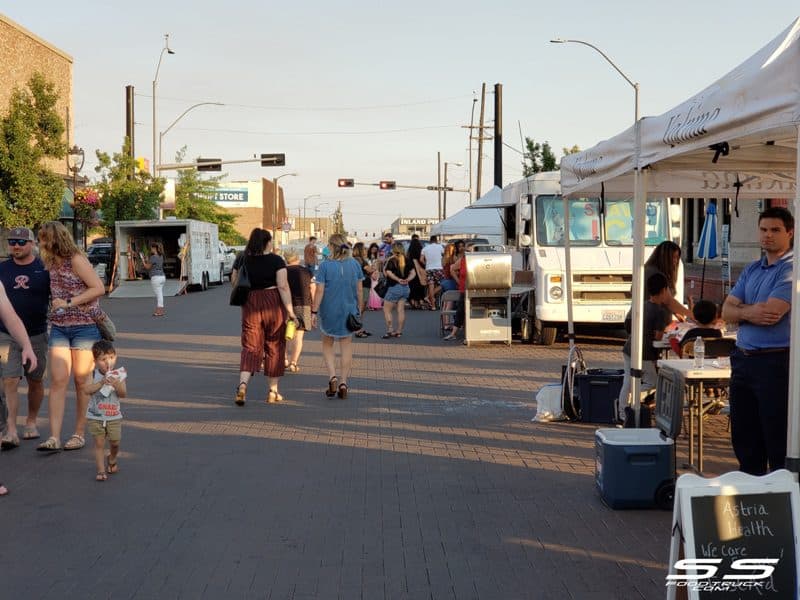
column 656, row 318
column 707, row 324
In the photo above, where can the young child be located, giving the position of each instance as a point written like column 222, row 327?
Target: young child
column 103, row 412
column 656, row 318
column 705, row 317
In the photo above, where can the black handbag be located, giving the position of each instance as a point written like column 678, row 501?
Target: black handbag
column 381, row 287
column 354, row 322
column 241, row 290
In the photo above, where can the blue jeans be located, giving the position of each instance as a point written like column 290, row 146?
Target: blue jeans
column 759, row 394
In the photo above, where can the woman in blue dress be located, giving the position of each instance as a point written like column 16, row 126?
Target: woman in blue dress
column 336, row 298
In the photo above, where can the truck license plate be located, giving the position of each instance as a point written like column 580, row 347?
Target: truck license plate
column 613, row 316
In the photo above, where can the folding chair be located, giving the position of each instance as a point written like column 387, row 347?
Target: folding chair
column 448, row 311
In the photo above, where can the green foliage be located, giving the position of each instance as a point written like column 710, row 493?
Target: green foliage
column 32, row 130
column 194, row 200
column 128, row 193
column 539, row 158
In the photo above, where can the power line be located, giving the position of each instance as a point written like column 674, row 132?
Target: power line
column 318, row 108
column 369, row 132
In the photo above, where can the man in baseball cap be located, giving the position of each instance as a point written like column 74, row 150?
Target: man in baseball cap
column 21, row 233
column 27, row 285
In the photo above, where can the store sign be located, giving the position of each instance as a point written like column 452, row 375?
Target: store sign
column 419, row 221
column 230, row 196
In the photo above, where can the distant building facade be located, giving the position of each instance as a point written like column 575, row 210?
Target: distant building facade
column 411, row 225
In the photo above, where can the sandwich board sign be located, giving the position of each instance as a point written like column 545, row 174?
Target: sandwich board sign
column 735, row 537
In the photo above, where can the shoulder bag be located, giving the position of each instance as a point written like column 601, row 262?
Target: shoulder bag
column 108, row 331
column 242, row 288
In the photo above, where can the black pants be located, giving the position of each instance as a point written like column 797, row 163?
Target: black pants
column 759, row 394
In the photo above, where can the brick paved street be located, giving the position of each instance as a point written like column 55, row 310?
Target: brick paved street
column 430, row 481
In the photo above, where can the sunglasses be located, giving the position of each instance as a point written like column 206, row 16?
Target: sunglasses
column 17, row 242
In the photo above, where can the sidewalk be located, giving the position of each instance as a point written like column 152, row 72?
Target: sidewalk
column 430, row 481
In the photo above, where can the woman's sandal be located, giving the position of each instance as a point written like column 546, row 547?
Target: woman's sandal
column 361, row 334
column 112, row 467
column 388, row 335
column 342, row 393
column 51, row 445
column 241, row 392
column 293, row 368
column 274, row 397
column 331, row 391
column 101, row 476
column 75, row 442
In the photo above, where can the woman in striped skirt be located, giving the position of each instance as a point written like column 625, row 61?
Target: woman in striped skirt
column 264, row 315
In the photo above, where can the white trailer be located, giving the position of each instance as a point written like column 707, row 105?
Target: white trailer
column 192, row 257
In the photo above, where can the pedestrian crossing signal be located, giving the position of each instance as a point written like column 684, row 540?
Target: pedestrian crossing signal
column 346, row 183
column 387, row 185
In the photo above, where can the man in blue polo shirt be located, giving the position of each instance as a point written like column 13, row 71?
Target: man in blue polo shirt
column 761, row 302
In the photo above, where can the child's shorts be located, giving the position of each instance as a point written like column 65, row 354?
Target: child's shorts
column 107, row 429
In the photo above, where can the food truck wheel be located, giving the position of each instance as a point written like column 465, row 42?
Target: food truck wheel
column 547, row 335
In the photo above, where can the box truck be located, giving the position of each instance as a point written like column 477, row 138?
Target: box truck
column 192, row 256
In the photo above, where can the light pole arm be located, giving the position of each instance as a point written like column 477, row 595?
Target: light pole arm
column 183, row 114
column 632, row 83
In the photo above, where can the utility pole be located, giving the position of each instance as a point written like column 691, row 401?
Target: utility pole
column 498, row 135
column 439, row 182
column 480, row 142
column 471, row 125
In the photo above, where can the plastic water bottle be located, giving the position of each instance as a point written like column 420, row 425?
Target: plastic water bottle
column 291, row 327
column 699, row 353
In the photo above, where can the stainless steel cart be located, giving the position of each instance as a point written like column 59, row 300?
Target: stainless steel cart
column 487, row 298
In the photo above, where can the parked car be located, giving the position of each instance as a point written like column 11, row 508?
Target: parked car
column 228, row 256
column 100, row 253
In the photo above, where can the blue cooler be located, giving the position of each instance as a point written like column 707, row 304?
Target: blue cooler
column 598, row 390
column 635, row 468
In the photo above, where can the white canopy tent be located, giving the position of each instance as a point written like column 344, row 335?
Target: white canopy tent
column 486, row 222
column 738, row 137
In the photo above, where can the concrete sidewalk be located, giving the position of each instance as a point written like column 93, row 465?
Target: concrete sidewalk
column 430, row 481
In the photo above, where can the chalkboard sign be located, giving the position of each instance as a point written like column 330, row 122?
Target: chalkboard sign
column 738, row 534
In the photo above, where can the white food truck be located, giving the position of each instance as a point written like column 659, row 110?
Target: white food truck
column 601, row 240
column 192, row 256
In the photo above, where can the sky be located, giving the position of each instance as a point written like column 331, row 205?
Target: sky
column 373, row 90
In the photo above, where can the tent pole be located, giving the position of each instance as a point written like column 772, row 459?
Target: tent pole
column 703, row 278
column 637, row 288
column 567, row 284
column 793, row 431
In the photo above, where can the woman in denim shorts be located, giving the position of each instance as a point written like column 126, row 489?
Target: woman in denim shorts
column 74, row 289
column 398, row 272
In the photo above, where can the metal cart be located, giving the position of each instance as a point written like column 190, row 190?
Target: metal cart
column 487, row 298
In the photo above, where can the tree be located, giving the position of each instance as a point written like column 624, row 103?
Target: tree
column 539, row 158
column 128, row 193
column 574, row 150
column 194, row 200
column 32, row 130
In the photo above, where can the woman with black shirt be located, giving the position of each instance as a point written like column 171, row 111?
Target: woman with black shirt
column 399, row 271
column 264, row 314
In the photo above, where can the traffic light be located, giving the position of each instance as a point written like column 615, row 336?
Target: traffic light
column 346, row 183
column 273, row 160
column 387, row 185
column 216, row 164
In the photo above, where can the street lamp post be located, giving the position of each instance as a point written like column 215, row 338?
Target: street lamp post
column 75, row 159
column 316, row 213
column 168, row 50
column 639, row 201
column 275, row 206
column 304, row 210
column 171, row 125
column 444, row 191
